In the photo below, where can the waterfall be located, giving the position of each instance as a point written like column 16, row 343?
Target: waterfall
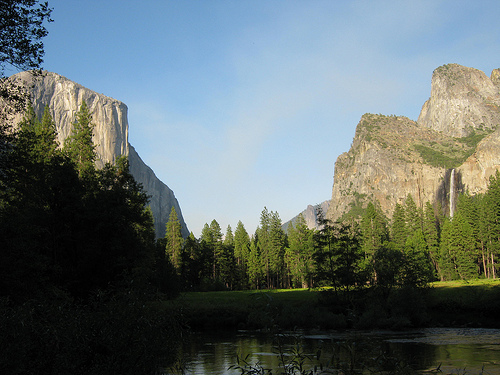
column 452, row 192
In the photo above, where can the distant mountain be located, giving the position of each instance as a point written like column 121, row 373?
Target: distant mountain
column 64, row 97
column 453, row 147
column 310, row 215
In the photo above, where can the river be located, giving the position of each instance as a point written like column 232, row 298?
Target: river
column 451, row 350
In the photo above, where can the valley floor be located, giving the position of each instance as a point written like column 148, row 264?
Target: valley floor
column 443, row 304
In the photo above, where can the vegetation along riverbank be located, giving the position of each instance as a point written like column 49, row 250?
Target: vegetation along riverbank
column 446, row 304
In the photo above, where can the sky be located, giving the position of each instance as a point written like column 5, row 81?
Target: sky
column 245, row 104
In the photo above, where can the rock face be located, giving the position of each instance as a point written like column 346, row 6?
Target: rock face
column 162, row 198
column 310, row 215
column 453, row 147
column 64, row 97
column 462, row 100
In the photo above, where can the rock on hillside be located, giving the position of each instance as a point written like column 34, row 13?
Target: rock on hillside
column 392, row 156
column 161, row 197
column 64, row 97
column 383, row 166
column 310, row 215
column 462, row 100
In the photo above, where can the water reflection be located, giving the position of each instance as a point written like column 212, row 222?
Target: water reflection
column 463, row 351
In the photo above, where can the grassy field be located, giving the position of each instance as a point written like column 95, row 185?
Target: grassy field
column 457, row 303
column 249, row 297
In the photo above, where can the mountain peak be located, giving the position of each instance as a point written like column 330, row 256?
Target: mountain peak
column 462, row 100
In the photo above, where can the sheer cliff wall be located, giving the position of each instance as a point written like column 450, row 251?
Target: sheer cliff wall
column 64, row 97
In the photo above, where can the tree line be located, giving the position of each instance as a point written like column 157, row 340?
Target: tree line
column 415, row 246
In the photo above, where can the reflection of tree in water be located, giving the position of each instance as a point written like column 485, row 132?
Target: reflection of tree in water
column 392, row 352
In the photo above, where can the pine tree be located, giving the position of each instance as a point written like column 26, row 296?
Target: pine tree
column 276, row 251
column 217, row 248
column 464, row 247
column 446, row 269
column 256, row 268
column 399, row 231
column 227, row 269
column 241, row 253
column 229, row 237
column 484, row 234
column 431, row 234
column 492, row 213
column 416, row 267
column 299, row 254
column 79, row 145
column 174, row 240
column 192, row 262
column 458, row 254
column 47, row 134
column 413, row 215
column 207, row 250
column 375, row 234
column 263, row 243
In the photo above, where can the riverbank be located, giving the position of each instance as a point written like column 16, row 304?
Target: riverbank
column 443, row 304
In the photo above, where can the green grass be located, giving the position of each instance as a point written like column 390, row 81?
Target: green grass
column 250, row 309
column 454, row 303
column 247, row 297
column 489, row 283
column 465, row 303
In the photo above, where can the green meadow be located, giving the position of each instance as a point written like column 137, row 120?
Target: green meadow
column 456, row 303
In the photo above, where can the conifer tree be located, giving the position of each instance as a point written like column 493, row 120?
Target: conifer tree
column 299, row 253
column 262, row 236
column 446, row 268
column 79, row 145
column 458, row 254
column 413, row 215
column 492, row 213
column 484, row 227
column 216, row 247
column 227, row 267
column 207, row 250
column 276, row 251
column 416, row 267
column 375, row 234
column 47, row 133
column 431, row 234
column 464, row 246
column 241, row 253
column 229, row 237
column 192, row 261
column 256, row 268
column 174, row 240
column 399, row 231
column 340, row 263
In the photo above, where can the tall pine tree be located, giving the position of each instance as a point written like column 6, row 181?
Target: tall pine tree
column 79, row 145
column 174, row 240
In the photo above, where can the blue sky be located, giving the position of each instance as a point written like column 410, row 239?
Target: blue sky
column 237, row 105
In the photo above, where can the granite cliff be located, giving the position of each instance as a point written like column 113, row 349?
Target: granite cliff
column 453, row 147
column 64, row 97
column 310, row 215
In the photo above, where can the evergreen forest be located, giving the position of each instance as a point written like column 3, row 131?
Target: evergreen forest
column 414, row 247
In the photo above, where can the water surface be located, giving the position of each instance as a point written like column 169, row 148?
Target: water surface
column 454, row 350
